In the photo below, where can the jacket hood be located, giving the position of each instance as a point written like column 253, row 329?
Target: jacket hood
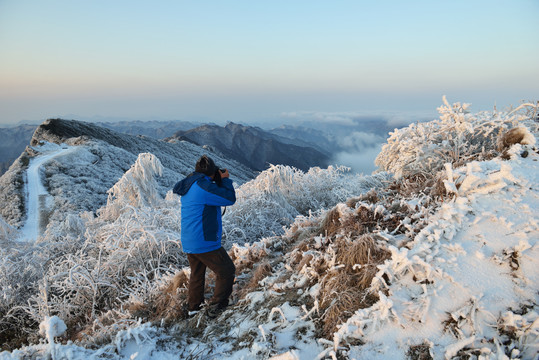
column 182, row 187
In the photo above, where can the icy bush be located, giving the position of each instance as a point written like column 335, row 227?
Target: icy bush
column 455, row 138
column 136, row 188
column 100, row 263
column 133, row 241
column 7, row 231
column 11, row 197
column 281, row 193
column 20, row 271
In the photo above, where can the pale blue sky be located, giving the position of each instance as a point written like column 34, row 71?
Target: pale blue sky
column 251, row 60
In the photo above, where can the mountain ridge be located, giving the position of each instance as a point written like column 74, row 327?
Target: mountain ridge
column 253, row 147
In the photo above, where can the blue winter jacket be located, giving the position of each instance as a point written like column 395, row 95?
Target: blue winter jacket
column 201, row 220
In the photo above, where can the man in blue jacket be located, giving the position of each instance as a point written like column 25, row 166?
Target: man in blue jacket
column 202, row 195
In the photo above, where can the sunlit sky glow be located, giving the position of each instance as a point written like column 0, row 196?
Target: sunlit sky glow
column 254, row 60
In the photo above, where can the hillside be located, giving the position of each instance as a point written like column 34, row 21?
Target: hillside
column 254, row 147
column 434, row 258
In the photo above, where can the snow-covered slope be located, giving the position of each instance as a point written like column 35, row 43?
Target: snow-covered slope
column 433, row 264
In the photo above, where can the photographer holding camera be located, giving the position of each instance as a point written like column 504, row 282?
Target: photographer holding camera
column 202, row 195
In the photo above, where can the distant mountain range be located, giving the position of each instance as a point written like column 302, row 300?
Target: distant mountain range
column 255, row 147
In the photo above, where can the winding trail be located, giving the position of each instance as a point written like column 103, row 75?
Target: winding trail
column 37, row 194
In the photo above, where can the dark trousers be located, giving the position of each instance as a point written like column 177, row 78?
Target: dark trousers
column 222, row 265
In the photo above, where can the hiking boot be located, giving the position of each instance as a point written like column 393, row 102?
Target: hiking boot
column 214, row 310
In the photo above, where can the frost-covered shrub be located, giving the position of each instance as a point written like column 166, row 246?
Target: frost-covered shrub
column 12, row 194
column 456, row 137
column 84, row 266
column 136, row 188
column 7, row 232
column 279, row 194
column 80, row 181
column 134, row 240
column 20, row 271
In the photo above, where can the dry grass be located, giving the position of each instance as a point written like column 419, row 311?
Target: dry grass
column 97, row 333
column 346, row 290
column 167, row 304
column 363, row 251
column 370, row 197
column 511, row 137
column 365, row 221
column 412, row 185
column 302, row 231
column 260, row 272
column 11, row 335
column 341, row 296
column 304, row 260
column 451, row 325
column 247, row 264
column 420, row 352
column 362, row 221
column 438, row 188
column 331, row 224
column 349, row 235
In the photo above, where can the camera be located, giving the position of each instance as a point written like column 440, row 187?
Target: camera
column 217, row 176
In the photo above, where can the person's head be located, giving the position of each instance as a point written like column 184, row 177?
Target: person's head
column 206, row 166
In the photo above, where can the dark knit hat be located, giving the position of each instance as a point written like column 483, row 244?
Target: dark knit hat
column 205, row 165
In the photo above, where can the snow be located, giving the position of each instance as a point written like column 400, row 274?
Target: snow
column 474, row 235
column 461, row 282
column 51, row 327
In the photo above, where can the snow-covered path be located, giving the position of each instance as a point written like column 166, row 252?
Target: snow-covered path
column 36, row 192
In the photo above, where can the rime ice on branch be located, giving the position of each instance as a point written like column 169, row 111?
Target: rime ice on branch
column 137, row 188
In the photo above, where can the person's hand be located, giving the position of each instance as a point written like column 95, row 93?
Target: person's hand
column 224, row 173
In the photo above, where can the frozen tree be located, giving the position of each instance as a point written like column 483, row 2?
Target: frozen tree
column 457, row 137
column 137, row 188
column 278, row 195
